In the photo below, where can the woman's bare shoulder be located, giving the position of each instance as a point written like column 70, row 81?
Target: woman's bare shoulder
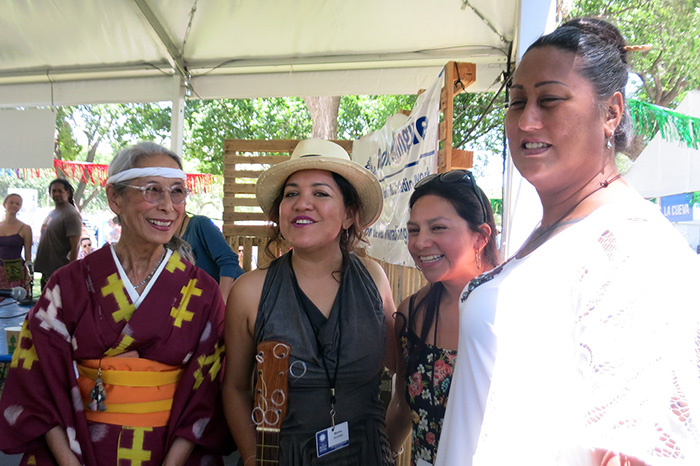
column 372, row 266
column 26, row 230
column 417, row 296
column 246, row 291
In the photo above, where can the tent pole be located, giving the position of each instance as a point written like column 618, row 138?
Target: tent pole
column 521, row 206
column 177, row 120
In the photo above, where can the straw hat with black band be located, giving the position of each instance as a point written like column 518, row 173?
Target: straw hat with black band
column 319, row 154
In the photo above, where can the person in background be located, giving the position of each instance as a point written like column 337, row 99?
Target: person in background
column 452, row 239
column 85, row 247
column 113, row 230
column 15, row 236
column 333, row 308
column 211, row 251
column 241, row 256
column 60, row 232
column 584, row 347
column 120, row 357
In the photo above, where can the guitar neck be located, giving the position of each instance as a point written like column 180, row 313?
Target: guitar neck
column 267, row 446
column 270, row 400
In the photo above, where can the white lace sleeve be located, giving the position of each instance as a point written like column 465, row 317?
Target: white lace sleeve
column 639, row 341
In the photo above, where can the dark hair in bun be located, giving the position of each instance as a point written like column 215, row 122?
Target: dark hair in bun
column 600, row 48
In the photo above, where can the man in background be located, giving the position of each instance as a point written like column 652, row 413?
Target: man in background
column 60, row 232
column 85, row 247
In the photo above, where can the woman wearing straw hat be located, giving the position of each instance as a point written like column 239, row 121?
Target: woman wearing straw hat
column 333, row 308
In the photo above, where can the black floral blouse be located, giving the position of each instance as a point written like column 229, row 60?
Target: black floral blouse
column 427, row 389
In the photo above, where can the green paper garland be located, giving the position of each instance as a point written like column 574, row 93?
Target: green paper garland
column 675, row 127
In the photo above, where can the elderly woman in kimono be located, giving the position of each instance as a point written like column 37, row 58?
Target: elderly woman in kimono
column 118, row 362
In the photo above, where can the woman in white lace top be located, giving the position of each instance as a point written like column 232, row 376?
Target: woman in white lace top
column 584, row 348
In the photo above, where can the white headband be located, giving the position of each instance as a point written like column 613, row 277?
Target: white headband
column 132, row 173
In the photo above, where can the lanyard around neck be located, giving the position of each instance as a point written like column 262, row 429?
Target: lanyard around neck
column 302, row 298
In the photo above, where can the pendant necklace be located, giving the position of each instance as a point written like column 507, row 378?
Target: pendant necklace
column 98, row 395
column 150, row 275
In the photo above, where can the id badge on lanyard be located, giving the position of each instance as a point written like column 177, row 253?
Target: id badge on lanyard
column 332, row 439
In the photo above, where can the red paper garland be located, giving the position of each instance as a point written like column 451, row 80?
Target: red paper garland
column 96, row 173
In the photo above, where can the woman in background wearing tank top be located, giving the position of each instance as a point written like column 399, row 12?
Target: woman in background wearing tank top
column 14, row 235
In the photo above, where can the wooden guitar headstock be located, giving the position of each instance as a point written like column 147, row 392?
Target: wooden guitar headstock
column 270, row 398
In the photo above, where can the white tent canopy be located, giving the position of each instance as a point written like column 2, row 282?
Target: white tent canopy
column 72, row 52
column 83, row 51
column 664, row 167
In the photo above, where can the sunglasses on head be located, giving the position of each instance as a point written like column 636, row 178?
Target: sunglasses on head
column 455, row 176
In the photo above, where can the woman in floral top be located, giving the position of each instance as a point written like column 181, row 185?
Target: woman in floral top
column 451, row 237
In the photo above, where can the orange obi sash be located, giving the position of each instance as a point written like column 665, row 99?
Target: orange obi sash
column 139, row 391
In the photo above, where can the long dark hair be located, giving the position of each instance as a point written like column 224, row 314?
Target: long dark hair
column 67, row 186
column 467, row 199
column 600, row 48
column 349, row 239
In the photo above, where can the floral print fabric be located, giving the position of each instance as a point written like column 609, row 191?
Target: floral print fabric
column 427, row 389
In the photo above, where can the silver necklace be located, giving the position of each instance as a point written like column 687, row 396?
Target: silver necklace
column 150, row 275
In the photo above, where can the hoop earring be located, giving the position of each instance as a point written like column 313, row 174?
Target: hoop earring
column 344, row 235
column 477, row 258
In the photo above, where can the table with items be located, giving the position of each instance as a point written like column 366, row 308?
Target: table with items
column 12, row 314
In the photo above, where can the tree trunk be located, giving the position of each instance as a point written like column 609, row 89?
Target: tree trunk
column 636, row 147
column 324, row 116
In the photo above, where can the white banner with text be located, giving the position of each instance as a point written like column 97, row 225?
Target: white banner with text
column 400, row 154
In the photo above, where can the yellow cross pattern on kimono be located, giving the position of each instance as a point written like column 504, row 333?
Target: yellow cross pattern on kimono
column 214, row 360
column 175, row 262
column 181, row 313
column 28, row 356
column 116, row 287
column 136, row 454
column 125, row 342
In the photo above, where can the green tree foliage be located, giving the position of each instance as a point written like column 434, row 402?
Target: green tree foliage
column 104, row 129
column 672, row 67
column 209, row 122
column 478, row 121
column 66, row 146
column 478, row 125
column 362, row 114
column 108, row 127
column 40, row 183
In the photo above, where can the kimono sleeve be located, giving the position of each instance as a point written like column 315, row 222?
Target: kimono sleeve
column 41, row 392
column 197, row 413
